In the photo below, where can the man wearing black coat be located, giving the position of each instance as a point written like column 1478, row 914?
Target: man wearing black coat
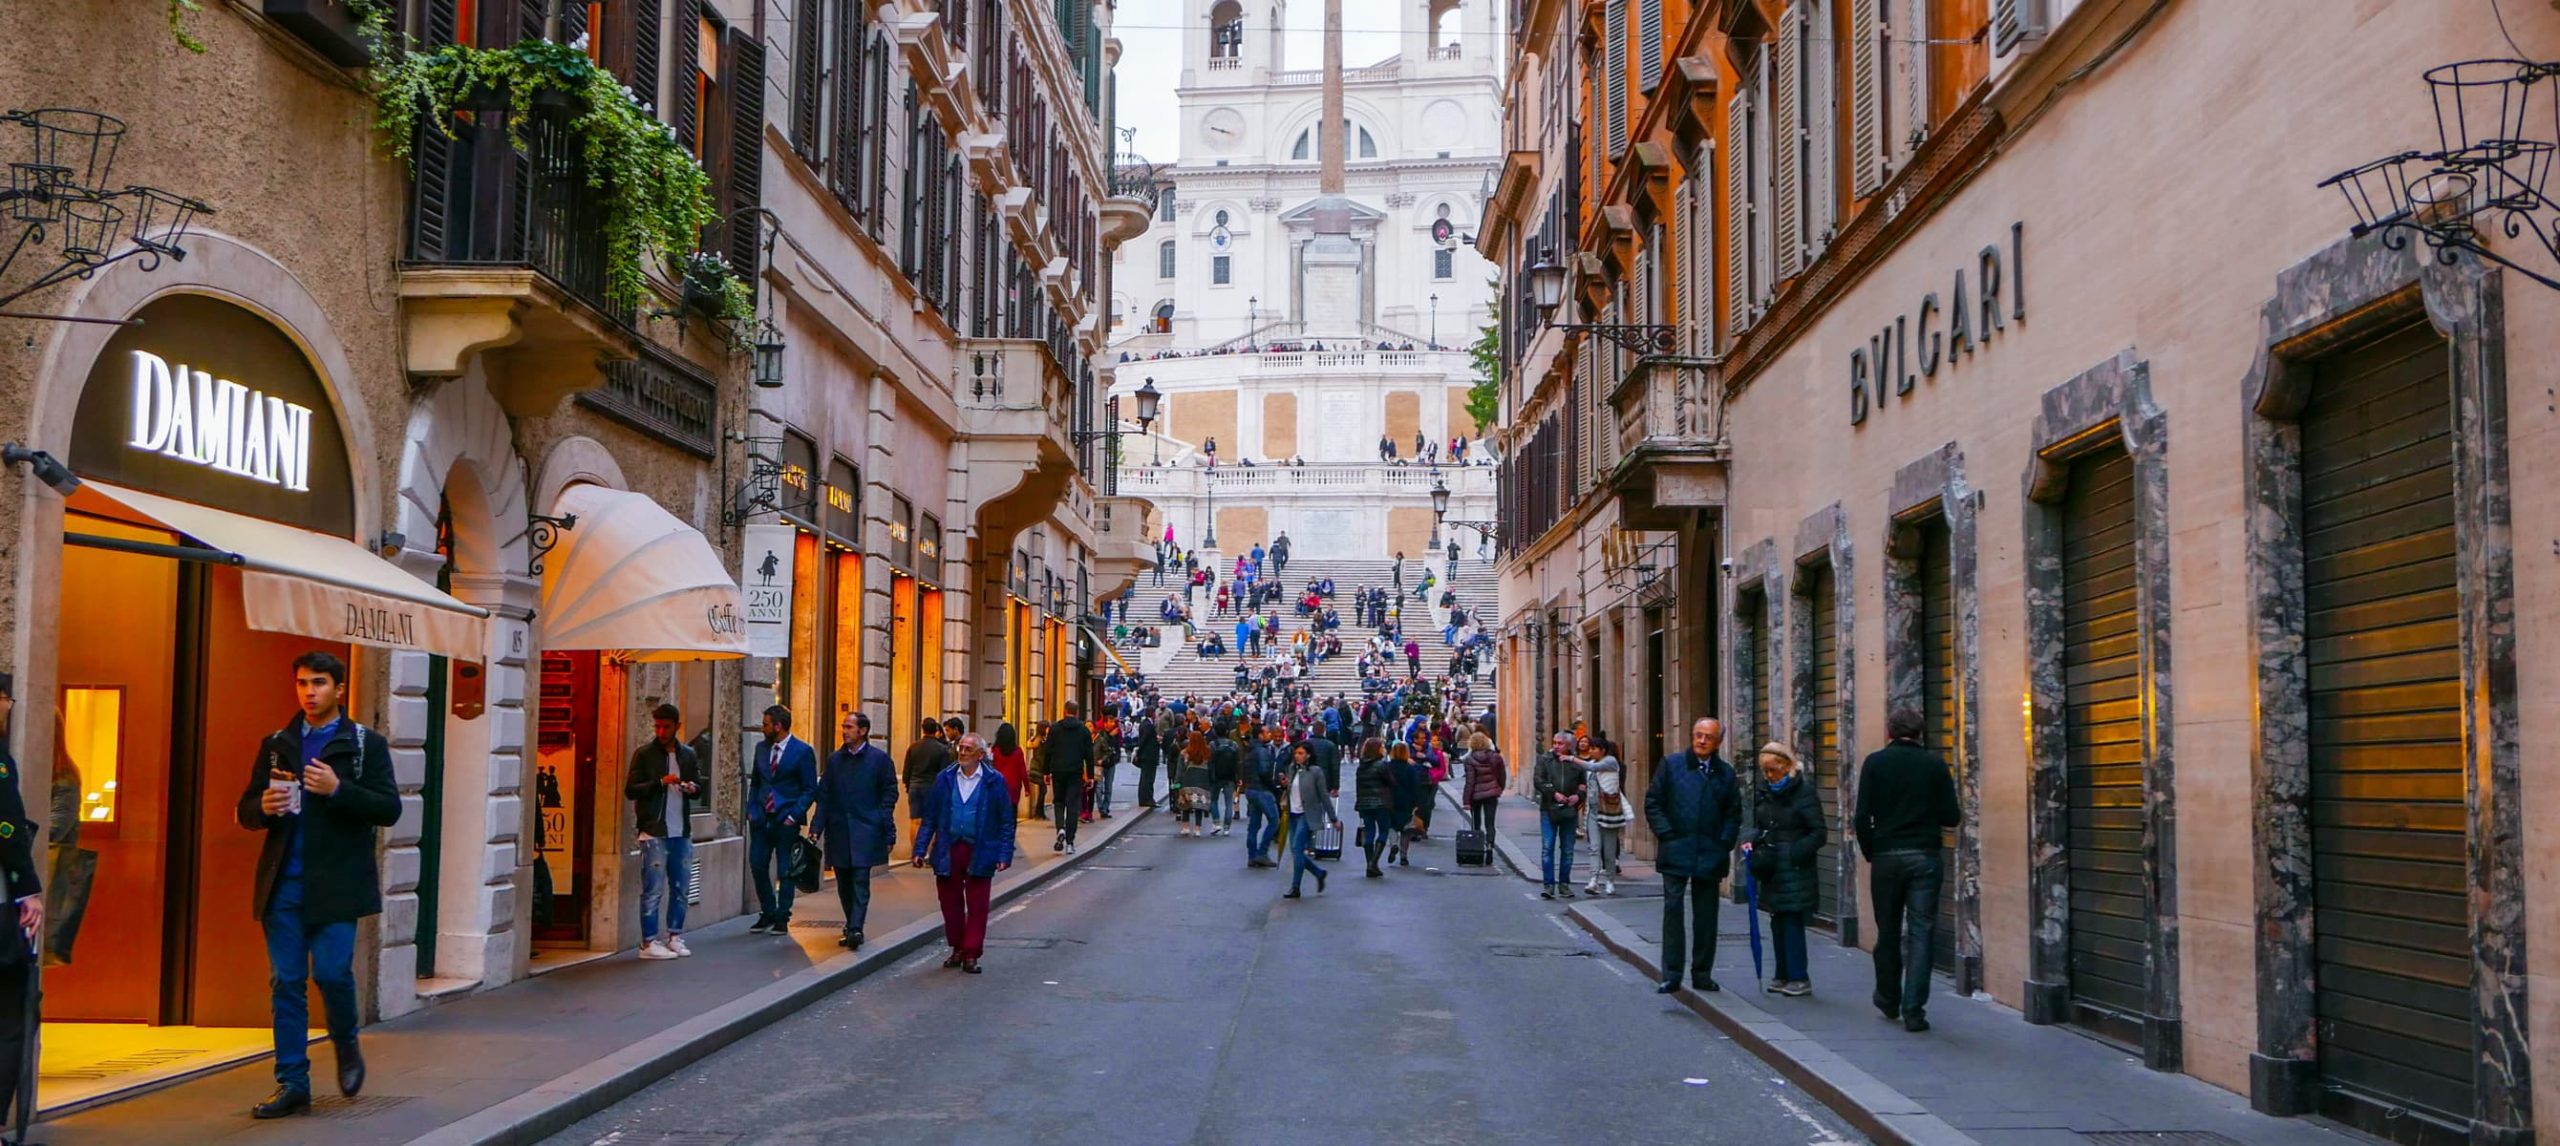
column 1694, row 807
column 1068, row 756
column 1906, row 797
column 1150, row 756
column 926, row 758
column 18, row 877
column 321, row 787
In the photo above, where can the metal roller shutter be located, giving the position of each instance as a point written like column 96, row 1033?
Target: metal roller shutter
column 1938, row 701
column 1826, row 735
column 2103, row 768
column 1756, row 621
column 2388, row 823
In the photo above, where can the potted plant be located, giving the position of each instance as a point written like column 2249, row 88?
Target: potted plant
column 712, row 290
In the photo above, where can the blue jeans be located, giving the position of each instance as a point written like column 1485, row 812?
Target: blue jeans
column 1555, row 850
column 1102, row 781
column 664, row 862
column 1261, row 824
column 769, row 850
column 1903, row 886
column 1302, row 850
column 1222, row 807
column 297, row 955
column 1787, row 931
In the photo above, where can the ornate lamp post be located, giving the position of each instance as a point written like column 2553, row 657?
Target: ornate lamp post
column 1546, row 292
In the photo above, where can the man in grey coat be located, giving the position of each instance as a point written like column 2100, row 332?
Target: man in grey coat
column 1310, row 811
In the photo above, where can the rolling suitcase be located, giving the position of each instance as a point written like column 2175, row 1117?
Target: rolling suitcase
column 1473, row 850
column 1328, row 843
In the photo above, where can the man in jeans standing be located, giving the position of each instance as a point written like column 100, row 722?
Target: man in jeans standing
column 1694, row 807
column 1906, row 796
column 662, row 783
column 321, row 786
column 1558, row 782
column 782, row 781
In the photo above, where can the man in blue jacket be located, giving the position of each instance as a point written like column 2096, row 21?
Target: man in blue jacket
column 857, row 820
column 1694, row 807
column 782, row 781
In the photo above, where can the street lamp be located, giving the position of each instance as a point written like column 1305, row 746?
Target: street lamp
column 1148, row 400
column 1440, row 513
column 1546, row 292
column 1252, row 318
column 1435, row 320
column 768, row 355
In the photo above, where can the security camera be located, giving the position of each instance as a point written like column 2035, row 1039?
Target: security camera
column 1728, row 566
column 44, row 466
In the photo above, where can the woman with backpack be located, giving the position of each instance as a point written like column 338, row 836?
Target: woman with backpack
column 1373, row 795
column 1610, row 812
column 1787, row 832
column 1193, row 798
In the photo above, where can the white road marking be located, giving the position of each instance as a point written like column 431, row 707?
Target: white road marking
column 1826, row 1137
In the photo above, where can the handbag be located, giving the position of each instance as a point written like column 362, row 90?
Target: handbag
column 807, row 862
column 1612, row 804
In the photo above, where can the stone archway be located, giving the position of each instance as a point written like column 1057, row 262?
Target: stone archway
column 458, row 462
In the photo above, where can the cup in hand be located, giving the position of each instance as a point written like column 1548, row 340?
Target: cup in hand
column 292, row 790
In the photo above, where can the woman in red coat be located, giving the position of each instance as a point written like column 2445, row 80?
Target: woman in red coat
column 1012, row 764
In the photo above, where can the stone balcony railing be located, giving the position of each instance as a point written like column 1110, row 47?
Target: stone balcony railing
column 1672, row 443
column 1366, row 478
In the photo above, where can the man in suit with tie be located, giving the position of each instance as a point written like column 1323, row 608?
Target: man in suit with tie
column 782, row 781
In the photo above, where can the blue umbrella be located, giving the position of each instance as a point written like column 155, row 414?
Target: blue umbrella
column 1751, row 892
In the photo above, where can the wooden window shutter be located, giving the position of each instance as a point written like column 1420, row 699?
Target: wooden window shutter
column 1612, row 81
column 685, row 101
column 2015, row 22
column 876, row 146
column 1787, row 143
column 1737, row 211
column 808, row 43
column 444, row 19
column 1866, row 91
column 648, row 40
column 1648, row 43
column 844, row 93
column 529, row 15
column 1822, row 128
column 745, row 84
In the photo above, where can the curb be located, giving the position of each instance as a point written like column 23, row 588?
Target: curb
column 556, row 1105
column 1881, row 1112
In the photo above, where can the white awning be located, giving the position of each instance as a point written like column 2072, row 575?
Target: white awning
column 631, row 580
column 314, row 585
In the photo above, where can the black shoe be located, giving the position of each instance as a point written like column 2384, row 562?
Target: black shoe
column 350, row 1072
column 1564, row 891
column 1705, row 984
column 971, row 966
column 1892, row 1011
column 1374, row 873
column 1666, row 987
column 1915, row 1022
column 1292, row 893
column 285, row 1101
column 1320, row 883
column 857, row 941
column 1058, row 846
column 951, row 960
column 1547, row 891
column 845, row 940
column 762, row 925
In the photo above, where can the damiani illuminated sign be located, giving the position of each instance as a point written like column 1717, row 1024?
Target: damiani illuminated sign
column 220, row 424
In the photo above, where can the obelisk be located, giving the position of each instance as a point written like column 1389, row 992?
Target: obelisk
column 1334, row 300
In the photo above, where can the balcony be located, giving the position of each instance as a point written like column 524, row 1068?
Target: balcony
column 506, row 260
column 1672, row 448
column 1014, row 402
column 1137, row 187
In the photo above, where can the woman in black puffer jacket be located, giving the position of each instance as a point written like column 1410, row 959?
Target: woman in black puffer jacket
column 1373, row 795
column 1786, row 832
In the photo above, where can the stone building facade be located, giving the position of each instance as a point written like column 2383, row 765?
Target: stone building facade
column 2182, row 514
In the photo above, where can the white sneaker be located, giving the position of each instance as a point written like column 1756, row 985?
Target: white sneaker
column 656, row 950
column 1608, row 887
column 1593, row 887
column 675, row 943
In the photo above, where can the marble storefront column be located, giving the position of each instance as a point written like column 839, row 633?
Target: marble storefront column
column 1934, row 486
column 2108, row 403
column 2347, row 291
column 1822, row 541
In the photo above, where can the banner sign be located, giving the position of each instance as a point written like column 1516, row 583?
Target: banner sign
column 767, row 581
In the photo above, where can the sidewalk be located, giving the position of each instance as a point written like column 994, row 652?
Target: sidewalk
column 2054, row 1086
column 522, row 1061
column 1516, row 841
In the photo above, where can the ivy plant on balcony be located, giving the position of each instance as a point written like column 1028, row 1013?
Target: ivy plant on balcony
column 656, row 199
column 712, row 289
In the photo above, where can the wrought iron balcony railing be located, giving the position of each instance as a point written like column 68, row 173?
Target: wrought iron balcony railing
column 477, row 199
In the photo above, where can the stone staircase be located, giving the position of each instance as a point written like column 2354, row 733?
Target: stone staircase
column 1177, row 669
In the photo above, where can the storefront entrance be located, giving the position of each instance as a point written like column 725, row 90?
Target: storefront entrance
column 1938, row 704
column 1821, row 595
column 2103, row 767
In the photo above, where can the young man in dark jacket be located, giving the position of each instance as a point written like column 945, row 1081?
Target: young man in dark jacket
column 1068, row 756
column 1906, row 797
column 782, row 781
column 926, row 758
column 662, row 783
column 1694, row 807
column 321, row 787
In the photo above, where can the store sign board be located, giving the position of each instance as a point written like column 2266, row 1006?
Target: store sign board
column 770, row 552
column 1945, row 334
column 211, row 403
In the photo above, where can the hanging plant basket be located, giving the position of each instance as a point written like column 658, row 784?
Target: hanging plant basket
column 712, row 290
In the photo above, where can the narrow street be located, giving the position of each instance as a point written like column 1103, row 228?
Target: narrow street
column 1165, row 993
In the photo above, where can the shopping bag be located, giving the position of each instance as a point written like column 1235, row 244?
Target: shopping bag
column 807, row 860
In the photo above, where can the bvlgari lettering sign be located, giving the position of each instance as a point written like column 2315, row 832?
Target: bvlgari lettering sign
column 1945, row 333
column 212, row 403
column 220, row 424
